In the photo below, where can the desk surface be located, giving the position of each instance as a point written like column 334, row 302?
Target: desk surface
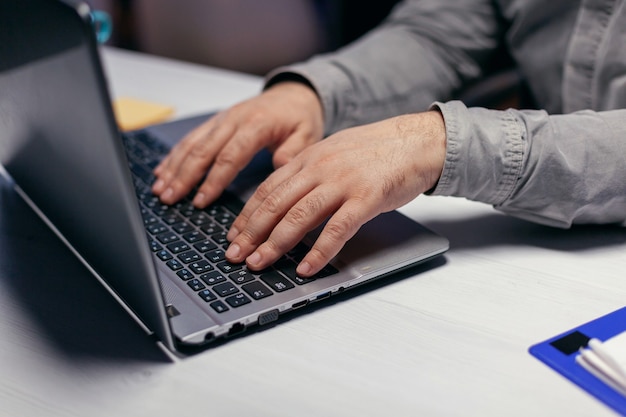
column 449, row 340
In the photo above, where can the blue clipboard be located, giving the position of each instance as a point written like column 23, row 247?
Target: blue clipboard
column 559, row 353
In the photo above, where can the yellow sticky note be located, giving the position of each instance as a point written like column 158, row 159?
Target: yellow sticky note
column 132, row 113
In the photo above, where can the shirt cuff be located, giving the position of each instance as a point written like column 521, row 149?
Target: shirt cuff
column 485, row 151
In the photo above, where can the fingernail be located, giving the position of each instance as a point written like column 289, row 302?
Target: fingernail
column 233, row 251
column 304, row 269
column 167, row 194
column 254, row 259
column 232, row 234
column 158, row 185
column 199, row 200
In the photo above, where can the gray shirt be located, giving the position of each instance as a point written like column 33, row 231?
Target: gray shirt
column 560, row 165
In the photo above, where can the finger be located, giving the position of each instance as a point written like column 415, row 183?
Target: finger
column 190, row 163
column 261, row 193
column 257, row 226
column 168, row 167
column 340, row 228
column 181, row 148
column 308, row 213
column 230, row 160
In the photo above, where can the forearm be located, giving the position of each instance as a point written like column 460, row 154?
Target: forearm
column 556, row 170
column 423, row 52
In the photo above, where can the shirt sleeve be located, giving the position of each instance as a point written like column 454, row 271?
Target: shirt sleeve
column 556, row 170
column 424, row 51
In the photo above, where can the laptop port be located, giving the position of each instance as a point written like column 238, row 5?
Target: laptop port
column 322, row 296
column 236, row 329
column 268, row 317
column 299, row 304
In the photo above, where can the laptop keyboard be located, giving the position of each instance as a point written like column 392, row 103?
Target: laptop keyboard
column 192, row 242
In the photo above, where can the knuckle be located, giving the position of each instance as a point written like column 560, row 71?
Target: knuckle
column 248, row 236
column 273, row 246
column 340, row 230
column 271, row 204
column 227, row 157
column 199, row 151
column 257, row 117
column 300, row 213
column 297, row 215
column 264, row 190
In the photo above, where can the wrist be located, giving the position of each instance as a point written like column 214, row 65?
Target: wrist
column 302, row 95
column 437, row 133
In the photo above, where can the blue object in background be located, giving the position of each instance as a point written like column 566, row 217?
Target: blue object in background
column 102, row 25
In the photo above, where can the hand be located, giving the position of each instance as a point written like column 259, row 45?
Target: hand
column 349, row 178
column 286, row 118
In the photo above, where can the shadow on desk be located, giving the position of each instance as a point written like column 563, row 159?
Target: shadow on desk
column 58, row 296
column 499, row 229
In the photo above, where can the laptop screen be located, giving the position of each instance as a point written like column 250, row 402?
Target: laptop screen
column 60, row 144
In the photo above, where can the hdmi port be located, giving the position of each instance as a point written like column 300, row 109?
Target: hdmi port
column 300, row 304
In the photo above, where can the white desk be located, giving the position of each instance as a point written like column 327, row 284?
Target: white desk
column 451, row 340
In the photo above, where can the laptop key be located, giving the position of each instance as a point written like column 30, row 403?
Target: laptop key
column 185, row 274
column 167, row 237
column 217, row 255
column 162, row 210
column 226, row 267
column 189, row 256
column 241, row 277
column 178, row 247
column 196, row 285
column 298, row 252
column 207, row 295
column 172, row 219
column 225, row 219
column 182, row 228
column 212, row 278
column 220, row 238
column 174, row 264
column 164, row 255
column 219, row 306
column 326, row 271
column 200, row 267
column 194, row 236
column 301, row 281
column 205, row 246
column 237, row 300
column 156, row 228
column 211, row 228
column 286, row 266
column 154, row 246
column 224, row 289
column 276, row 281
column 200, row 219
column 257, row 290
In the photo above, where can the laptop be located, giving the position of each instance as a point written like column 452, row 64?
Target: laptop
column 61, row 147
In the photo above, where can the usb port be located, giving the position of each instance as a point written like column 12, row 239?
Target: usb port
column 322, row 296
